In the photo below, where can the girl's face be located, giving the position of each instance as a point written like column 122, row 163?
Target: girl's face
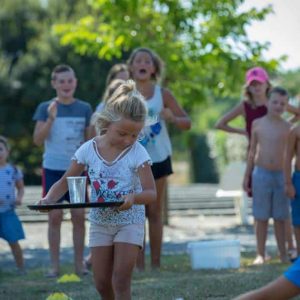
column 142, row 67
column 123, row 133
column 123, row 75
column 3, row 154
column 65, row 84
column 277, row 104
column 258, row 89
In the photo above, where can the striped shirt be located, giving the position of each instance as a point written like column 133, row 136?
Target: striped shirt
column 9, row 175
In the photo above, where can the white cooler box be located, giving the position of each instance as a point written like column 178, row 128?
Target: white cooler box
column 220, row 254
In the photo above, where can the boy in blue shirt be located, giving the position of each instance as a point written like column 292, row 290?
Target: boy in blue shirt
column 62, row 125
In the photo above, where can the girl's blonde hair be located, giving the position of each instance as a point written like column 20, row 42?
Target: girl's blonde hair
column 126, row 102
column 115, row 83
column 115, row 69
column 157, row 62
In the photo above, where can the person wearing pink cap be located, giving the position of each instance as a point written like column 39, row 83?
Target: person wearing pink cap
column 256, row 74
column 252, row 107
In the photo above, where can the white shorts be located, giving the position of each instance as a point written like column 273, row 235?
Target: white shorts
column 107, row 235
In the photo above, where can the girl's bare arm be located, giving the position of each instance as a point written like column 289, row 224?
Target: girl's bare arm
column 251, row 157
column 148, row 194
column 20, row 191
column 61, row 186
column 173, row 112
column 222, row 124
column 293, row 110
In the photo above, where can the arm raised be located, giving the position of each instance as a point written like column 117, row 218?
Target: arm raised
column 222, row 124
column 173, row 112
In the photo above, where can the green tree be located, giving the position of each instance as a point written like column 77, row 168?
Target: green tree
column 203, row 43
column 28, row 53
column 291, row 81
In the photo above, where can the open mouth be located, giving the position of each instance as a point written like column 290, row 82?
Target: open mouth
column 142, row 71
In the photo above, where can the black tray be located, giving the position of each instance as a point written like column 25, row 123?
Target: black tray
column 73, row 205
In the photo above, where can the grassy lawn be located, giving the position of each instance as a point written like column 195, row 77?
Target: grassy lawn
column 176, row 280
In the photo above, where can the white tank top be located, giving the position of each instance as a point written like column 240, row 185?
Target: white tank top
column 155, row 138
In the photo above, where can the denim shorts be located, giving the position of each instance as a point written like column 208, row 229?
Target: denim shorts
column 107, row 235
column 269, row 199
column 11, row 228
column 295, row 203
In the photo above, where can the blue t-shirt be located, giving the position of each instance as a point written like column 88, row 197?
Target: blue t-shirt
column 293, row 273
column 67, row 132
column 9, row 175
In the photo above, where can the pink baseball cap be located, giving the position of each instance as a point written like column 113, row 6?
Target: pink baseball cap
column 257, row 73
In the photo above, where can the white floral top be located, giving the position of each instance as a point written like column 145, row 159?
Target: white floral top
column 111, row 180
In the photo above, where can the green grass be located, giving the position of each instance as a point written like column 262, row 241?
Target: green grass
column 175, row 280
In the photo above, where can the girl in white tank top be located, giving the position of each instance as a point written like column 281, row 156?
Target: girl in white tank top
column 145, row 68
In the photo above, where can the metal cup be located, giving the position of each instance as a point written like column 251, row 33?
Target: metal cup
column 77, row 187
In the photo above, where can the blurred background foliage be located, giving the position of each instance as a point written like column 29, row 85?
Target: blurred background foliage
column 203, row 44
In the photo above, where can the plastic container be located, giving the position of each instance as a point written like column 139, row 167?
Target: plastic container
column 218, row 254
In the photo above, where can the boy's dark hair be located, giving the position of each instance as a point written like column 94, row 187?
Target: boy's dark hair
column 278, row 90
column 4, row 141
column 61, row 69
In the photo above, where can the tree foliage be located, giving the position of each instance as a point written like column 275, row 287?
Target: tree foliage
column 203, row 42
column 29, row 51
column 291, row 81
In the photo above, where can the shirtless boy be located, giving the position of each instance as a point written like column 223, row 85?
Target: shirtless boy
column 292, row 184
column 267, row 151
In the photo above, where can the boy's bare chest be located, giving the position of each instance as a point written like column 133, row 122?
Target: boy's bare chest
column 273, row 134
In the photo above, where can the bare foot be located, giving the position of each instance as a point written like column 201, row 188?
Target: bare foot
column 267, row 257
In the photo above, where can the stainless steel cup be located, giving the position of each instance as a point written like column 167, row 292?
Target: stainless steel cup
column 77, row 189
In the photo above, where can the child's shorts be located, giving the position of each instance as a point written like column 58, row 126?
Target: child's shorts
column 11, row 228
column 269, row 199
column 295, row 203
column 107, row 235
column 293, row 273
column 162, row 169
